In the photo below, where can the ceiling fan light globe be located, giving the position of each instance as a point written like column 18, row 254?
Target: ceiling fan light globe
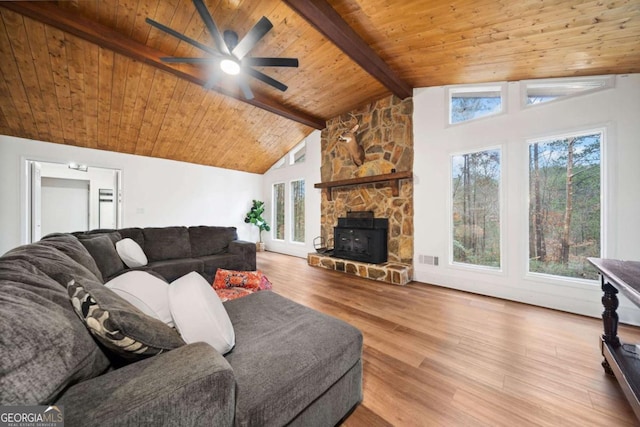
column 230, row 66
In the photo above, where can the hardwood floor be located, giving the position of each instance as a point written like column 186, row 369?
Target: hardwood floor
column 440, row 357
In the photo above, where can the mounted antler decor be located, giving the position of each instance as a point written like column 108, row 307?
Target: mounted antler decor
column 356, row 152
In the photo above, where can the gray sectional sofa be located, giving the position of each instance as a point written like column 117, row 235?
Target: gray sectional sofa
column 290, row 365
column 173, row 252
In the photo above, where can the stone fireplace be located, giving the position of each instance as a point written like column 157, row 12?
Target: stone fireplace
column 385, row 132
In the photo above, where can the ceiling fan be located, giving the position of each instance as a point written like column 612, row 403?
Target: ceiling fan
column 230, row 56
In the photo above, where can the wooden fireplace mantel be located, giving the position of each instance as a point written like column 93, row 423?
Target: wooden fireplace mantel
column 392, row 178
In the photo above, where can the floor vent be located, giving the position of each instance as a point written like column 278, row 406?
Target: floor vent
column 428, row 259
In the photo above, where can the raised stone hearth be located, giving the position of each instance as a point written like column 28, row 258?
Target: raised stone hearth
column 390, row 272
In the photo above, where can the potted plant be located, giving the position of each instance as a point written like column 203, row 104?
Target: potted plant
column 254, row 216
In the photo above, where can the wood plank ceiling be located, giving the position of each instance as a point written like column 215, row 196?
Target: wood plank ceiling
column 59, row 87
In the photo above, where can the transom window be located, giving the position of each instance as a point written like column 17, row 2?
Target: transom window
column 541, row 91
column 474, row 102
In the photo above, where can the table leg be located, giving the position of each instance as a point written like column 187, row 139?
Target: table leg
column 609, row 319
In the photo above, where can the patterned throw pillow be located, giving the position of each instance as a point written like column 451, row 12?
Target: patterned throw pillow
column 118, row 325
column 252, row 280
column 232, row 293
column 265, row 284
column 243, row 279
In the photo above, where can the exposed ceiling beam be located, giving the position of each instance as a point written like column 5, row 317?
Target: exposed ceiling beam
column 80, row 26
column 321, row 15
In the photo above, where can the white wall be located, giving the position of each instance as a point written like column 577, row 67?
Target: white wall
column 309, row 170
column 156, row 192
column 65, row 205
column 616, row 109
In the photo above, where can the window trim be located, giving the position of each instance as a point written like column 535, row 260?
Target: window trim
column 604, row 205
column 502, row 269
column 295, row 150
column 450, row 90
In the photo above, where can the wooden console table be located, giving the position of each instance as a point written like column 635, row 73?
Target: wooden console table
column 624, row 363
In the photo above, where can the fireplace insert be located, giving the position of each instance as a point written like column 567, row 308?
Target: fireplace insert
column 361, row 237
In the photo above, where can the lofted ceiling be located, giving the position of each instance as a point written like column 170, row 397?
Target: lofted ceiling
column 87, row 73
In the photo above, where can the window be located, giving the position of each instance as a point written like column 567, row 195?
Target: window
column 279, row 164
column 565, row 204
column 297, row 207
column 541, row 91
column 469, row 103
column 278, row 211
column 475, row 198
column 297, row 155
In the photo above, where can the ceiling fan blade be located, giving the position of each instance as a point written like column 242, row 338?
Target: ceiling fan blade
column 263, row 77
column 270, row 62
column 215, row 78
column 188, row 60
column 246, row 90
column 182, row 37
column 211, row 26
column 254, row 35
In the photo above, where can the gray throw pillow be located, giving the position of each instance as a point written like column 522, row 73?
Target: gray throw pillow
column 103, row 250
column 118, row 325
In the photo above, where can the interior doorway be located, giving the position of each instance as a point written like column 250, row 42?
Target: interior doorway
column 65, row 205
column 69, row 197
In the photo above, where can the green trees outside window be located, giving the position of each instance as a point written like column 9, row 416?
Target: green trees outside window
column 297, row 206
column 476, row 208
column 565, row 205
column 278, row 211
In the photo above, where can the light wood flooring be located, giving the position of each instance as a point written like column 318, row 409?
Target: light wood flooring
column 440, row 357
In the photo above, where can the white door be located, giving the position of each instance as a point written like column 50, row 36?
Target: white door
column 35, row 197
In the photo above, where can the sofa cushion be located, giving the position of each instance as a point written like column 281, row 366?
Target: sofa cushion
column 211, row 264
column 44, row 348
column 131, row 253
column 69, row 245
column 103, row 250
column 119, row 326
column 279, row 370
column 146, row 291
column 206, row 240
column 190, row 386
column 246, row 251
column 199, row 314
column 175, row 268
column 51, row 261
column 166, row 243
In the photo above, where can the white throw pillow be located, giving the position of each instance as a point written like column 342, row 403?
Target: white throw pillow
column 198, row 313
column 146, row 292
column 131, row 253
